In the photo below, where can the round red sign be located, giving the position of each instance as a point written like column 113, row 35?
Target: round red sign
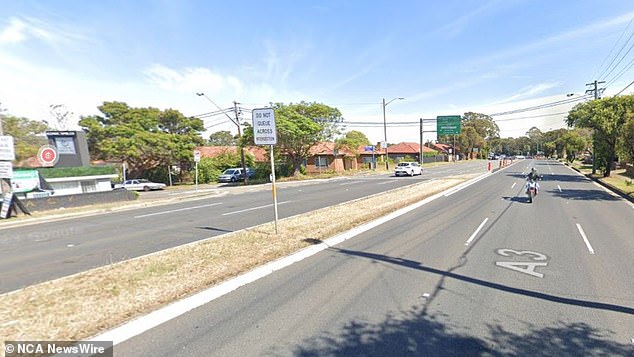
column 47, row 155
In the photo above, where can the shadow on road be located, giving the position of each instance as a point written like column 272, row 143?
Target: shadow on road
column 584, row 195
column 215, row 229
column 415, row 332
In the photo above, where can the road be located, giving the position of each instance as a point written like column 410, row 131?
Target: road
column 478, row 272
column 48, row 250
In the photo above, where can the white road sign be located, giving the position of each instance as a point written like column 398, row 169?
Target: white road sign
column 264, row 127
column 6, row 169
column 7, row 152
column 196, row 156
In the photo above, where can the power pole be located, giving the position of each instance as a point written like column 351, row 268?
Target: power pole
column 596, row 91
column 244, row 167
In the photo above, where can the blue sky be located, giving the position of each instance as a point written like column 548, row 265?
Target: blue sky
column 444, row 58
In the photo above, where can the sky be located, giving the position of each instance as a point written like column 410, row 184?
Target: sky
column 498, row 57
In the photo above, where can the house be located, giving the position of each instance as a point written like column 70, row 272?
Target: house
column 325, row 156
column 406, row 150
column 368, row 154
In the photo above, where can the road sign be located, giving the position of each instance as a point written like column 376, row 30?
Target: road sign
column 264, row 126
column 6, row 169
column 47, row 155
column 6, row 205
column 196, row 156
column 7, row 152
column 448, row 125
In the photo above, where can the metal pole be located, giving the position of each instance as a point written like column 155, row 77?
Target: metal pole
column 196, row 176
column 273, row 186
column 237, row 122
column 421, row 141
column 387, row 156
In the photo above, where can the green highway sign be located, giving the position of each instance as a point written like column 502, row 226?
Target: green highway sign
column 448, row 125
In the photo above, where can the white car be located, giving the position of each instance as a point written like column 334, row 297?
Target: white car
column 140, row 185
column 410, row 168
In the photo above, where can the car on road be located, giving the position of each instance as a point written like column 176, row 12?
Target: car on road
column 234, row 175
column 140, row 185
column 410, row 168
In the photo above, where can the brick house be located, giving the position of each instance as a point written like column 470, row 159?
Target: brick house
column 324, row 156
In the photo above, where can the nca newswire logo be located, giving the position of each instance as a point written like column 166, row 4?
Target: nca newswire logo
column 58, row 348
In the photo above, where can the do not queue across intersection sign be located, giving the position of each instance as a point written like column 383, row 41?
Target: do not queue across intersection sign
column 264, row 126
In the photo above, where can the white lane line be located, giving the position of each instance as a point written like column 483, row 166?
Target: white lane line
column 253, row 208
column 610, row 192
column 585, row 239
column 559, row 187
column 177, row 210
column 386, row 182
column 476, row 231
column 513, row 185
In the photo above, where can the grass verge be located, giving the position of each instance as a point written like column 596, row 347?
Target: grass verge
column 81, row 305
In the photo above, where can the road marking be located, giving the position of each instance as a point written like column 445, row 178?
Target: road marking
column 523, row 266
column 177, row 210
column 559, row 187
column 585, row 239
column 386, row 182
column 253, row 208
column 610, row 192
column 477, row 231
column 513, row 185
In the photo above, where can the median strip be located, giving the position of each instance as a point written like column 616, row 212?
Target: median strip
column 82, row 305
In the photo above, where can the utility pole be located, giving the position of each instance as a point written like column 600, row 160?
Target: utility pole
column 594, row 90
column 421, row 142
column 237, row 122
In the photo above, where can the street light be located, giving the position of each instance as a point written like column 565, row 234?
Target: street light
column 237, row 123
column 387, row 156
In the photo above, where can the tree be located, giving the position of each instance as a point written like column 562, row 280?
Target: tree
column 61, row 114
column 299, row 127
column 607, row 117
column 222, row 138
column 477, row 130
column 28, row 135
column 144, row 138
column 626, row 142
column 353, row 140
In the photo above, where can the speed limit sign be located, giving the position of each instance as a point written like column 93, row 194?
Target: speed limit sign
column 47, row 155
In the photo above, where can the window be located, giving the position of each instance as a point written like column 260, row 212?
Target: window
column 321, row 161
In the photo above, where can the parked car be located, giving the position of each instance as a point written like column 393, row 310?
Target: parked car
column 140, row 185
column 234, row 175
column 410, row 168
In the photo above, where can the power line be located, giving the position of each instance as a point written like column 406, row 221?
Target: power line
column 622, row 90
column 542, row 106
column 611, row 51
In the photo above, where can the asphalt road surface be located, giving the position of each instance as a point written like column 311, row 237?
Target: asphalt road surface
column 39, row 252
column 478, row 272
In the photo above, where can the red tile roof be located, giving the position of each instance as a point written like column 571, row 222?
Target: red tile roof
column 328, row 148
column 407, row 148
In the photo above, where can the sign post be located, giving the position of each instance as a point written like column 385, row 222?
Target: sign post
column 264, row 133
column 196, row 160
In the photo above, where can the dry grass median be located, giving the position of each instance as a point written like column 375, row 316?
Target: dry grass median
column 80, row 306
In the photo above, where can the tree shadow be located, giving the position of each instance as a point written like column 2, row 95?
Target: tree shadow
column 584, row 195
column 415, row 332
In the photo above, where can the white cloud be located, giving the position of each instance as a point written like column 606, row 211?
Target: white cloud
column 15, row 32
column 191, row 79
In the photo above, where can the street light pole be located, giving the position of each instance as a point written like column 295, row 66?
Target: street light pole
column 387, row 156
